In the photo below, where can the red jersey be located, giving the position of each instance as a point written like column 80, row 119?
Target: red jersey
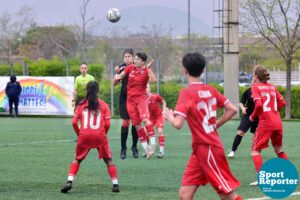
column 153, row 105
column 198, row 103
column 137, row 81
column 93, row 124
column 267, row 101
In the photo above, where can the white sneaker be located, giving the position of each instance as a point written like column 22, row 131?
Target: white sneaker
column 255, row 183
column 231, row 154
column 151, row 150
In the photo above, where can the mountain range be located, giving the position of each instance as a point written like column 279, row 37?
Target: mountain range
column 132, row 19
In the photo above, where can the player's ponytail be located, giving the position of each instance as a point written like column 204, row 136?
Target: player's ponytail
column 262, row 73
column 92, row 95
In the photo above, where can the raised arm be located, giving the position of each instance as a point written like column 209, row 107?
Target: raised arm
column 151, row 74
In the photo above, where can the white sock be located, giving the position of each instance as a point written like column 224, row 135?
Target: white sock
column 152, row 140
column 70, row 178
column 162, row 150
column 115, row 181
column 145, row 146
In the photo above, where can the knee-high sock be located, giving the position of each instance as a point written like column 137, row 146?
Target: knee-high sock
column 161, row 140
column 282, row 155
column 236, row 142
column 112, row 171
column 124, row 135
column 74, row 167
column 134, row 136
column 143, row 138
column 258, row 161
column 151, row 134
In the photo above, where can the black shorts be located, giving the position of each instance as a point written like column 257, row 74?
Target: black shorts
column 245, row 124
column 123, row 111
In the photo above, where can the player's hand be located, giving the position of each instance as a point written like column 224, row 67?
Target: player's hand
column 168, row 114
column 117, row 77
column 150, row 63
column 73, row 104
column 117, row 69
column 244, row 111
column 250, row 118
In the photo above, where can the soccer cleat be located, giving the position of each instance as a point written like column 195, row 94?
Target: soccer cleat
column 123, row 153
column 151, row 150
column 115, row 188
column 231, row 154
column 67, row 187
column 255, row 183
column 160, row 155
column 135, row 152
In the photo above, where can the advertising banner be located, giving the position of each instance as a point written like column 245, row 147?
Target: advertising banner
column 41, row 95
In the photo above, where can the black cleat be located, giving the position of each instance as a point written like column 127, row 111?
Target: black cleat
column 135, row 152
column 115, row 188
column 123, row 153
column 67, row 187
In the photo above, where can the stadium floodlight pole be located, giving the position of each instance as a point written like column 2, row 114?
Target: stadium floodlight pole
column 189, row 26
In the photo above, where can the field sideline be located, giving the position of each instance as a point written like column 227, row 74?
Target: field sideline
column 36, row 153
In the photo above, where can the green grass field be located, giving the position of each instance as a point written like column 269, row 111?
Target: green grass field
column 36, row 152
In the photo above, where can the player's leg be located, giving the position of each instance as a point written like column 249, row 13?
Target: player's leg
column 159, row 122
column 242, row 129
column 276, row 139
column 112, row 171
column 81, row 152
column 104, row 152
column 187, row 192
column 73, row 169
column 124, row 135
column 229, row 196
column 134, row 149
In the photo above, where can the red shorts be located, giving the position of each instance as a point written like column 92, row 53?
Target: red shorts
column 158, row 121
column 137, row 110
column 262, row 137
column 103, row 151
column 208, row 164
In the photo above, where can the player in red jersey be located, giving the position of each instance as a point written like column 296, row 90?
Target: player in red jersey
column 94, row 115
column 138, row 76
column 156, row 118
column 267, row 103
column 198, row 103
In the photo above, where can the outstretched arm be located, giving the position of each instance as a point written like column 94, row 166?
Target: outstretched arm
column 176, row 121
column 151, row 74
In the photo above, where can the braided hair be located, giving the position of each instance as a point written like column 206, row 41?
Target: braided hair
column 92, row 95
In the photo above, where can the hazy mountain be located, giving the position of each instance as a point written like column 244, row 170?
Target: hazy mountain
column 133, row 18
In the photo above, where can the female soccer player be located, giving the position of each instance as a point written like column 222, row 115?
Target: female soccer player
column 267, row 103
column 128, row 60
column 197, row 104
column 94, row 115
column 156, row 117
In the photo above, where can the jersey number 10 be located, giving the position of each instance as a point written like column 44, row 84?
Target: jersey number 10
column 89, row 120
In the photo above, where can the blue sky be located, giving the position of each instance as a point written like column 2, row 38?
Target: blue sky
column 53, row 12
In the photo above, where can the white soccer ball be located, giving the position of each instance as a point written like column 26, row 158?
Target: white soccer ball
column 113, row 15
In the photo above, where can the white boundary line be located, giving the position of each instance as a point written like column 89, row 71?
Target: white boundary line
column 263, row 198
column 43, row 142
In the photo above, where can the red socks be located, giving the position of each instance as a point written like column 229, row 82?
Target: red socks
column 150, row 130
column 74, row 167
column 161, row 140
column 258, row 161
column 142, row 135
column 282, row 155
column 112, row 170
column 238, row 198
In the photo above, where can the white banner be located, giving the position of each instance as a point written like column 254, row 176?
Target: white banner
column 41, row 95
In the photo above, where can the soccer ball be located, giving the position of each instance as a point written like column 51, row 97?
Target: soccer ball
column 113, row 15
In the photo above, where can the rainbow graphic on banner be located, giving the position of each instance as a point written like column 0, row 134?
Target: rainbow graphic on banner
column 42, row 96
